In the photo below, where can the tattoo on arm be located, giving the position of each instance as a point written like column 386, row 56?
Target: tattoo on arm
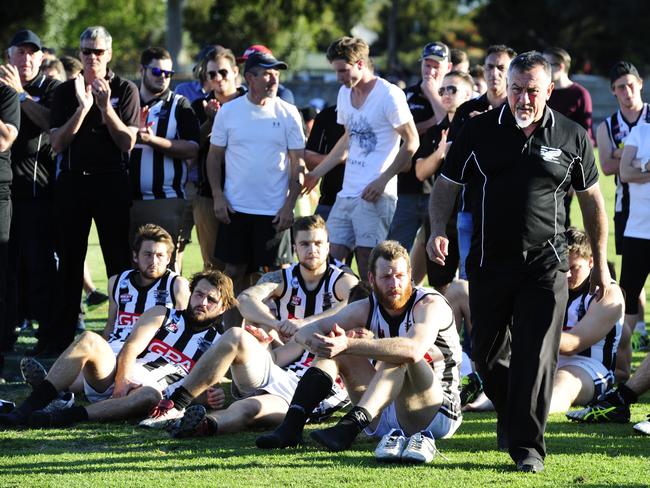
column 272, row 277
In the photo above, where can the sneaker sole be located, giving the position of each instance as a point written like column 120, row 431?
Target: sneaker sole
column 32, row 371
column 189, row 422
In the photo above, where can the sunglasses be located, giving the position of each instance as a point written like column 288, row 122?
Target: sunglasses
column 451, row 89
column 222, row 72
column 86, row 51
column 157, row 72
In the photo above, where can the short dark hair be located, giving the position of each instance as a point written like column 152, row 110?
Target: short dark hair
column 477, row 71
column 501, row 49
column 578, row 243
column 221, row 282
column 310, row 222
column 527, row 61
column 349, row 49
column 217, row 52
column 54, row 64
column 390, row 251
column 561, row 54
column 71, row 65
column 457, row 56
column 152, row 53
column 465, row 78
column 152, row 232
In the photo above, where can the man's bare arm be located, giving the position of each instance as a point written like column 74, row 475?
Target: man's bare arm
column 337, row 155
column 349, row 317
column 595, row 221
column 441, row 206
column 251, row 300
column 609, row 157
column 112, row 309
column 181, row 293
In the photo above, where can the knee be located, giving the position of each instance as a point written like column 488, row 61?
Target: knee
column 148, row 397
column 233, row 338
column 249, row 410
column 87, row 344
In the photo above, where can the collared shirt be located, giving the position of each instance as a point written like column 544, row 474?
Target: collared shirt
column 421, row 110
column 93, row 149
column 32, row 159
column 517, row 184
column 155, row 175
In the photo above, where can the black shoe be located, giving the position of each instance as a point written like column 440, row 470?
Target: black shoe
column 275, row 440
column 530, row 464
column 33, row 372
column 471, row 388
column 610, row 407
column 95, row 298
column 332, row 439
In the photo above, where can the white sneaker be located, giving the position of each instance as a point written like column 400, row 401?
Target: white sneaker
column 643, row 427
column 162, row 415
column 66, row 400
column 421, row 448
column 391, row 446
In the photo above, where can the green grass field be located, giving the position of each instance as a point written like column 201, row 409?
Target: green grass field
column 120, row 454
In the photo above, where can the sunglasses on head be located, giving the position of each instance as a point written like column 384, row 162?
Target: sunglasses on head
column 87, row 51
column 222, row 72
column 451, row 89
column 157, row 72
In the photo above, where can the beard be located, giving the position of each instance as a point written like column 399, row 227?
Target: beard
column 391, row 302
column 198, row 324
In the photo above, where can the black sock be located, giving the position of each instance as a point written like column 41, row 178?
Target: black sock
column 312, row 388
column 342, row 435
column 39, row 398
column 181, row 398
column 627, row 394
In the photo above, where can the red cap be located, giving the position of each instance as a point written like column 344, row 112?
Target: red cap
column 255, row 48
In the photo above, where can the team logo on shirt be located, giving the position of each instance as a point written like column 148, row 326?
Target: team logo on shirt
column 115, row 101
column 295, row 301
column 125, row 298
column 171, row 327
column 550, row 154
column 203, row 344
column 162, row 296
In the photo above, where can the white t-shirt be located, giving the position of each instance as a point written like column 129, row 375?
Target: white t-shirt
column 257, row 139
column 638, row 223
column 373, row 139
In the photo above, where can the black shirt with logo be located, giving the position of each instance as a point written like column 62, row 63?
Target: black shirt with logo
column 421, row 110
column 93, row 149
column 323, row 137
column 9, row 114
column 517, row 184
column 32, row 159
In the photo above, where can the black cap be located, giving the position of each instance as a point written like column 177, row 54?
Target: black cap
column 26, row 37
column 263, row 60
column 622, row 68
column 435, row 50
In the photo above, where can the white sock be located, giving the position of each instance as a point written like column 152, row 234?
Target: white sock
column 640, row 327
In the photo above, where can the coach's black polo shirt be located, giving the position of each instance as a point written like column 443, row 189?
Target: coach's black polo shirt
column 517, row 184
column 421, row 110
column 92, row 149
column 32, row 159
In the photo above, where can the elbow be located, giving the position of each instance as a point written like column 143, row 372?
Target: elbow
column 419, row 173
column 5, row 145
column 625, row 177
column 192, row 152
column 414, row 353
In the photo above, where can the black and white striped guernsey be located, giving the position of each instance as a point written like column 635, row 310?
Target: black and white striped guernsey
column 155, row 175
column 447, row 369
column 176, row 348
column 603, row 351
column 618, row 129
column 133, row 300
column 297, row 302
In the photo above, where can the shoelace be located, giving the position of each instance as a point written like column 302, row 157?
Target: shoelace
column 161, row 409
column 417, row 444
column 392, row 442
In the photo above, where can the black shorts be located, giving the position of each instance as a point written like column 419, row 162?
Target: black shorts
column 252, row 239
column 635, row 267
column 620, row 220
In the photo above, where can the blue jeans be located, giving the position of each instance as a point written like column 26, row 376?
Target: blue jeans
column 412, row 209
column 464, row 224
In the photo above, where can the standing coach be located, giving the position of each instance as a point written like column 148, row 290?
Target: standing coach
column 518, row 161
column 94, row 121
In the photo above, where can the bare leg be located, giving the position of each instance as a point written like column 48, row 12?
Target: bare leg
column 362, row 254
column 418, row 259
column 89, row 355
column 572, row 386
column 420, row 398
column 88, row 284
column 641, row 315
column 256, row 411
column 136, row 403
column 640, row 381
column 624, row 352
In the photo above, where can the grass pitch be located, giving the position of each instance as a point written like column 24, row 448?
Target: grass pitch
column 120, row 454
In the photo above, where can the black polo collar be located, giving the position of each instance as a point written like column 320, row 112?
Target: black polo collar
column 165, row 96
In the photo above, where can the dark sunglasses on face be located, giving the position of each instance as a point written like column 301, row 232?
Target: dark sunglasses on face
column 447, row 89
column 222, row 72
column 86, row 51
column 157, row 72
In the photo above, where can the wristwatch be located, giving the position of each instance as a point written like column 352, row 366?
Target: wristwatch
column 22, row 96
column 644, row 166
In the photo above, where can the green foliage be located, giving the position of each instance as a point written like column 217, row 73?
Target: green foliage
column 597, row 32
column 289, row 28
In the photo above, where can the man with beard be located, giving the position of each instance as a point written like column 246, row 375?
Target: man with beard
column 410, row 396
column 162, row 349
column 167, row 139
column 519, row 161
column 263, row 380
